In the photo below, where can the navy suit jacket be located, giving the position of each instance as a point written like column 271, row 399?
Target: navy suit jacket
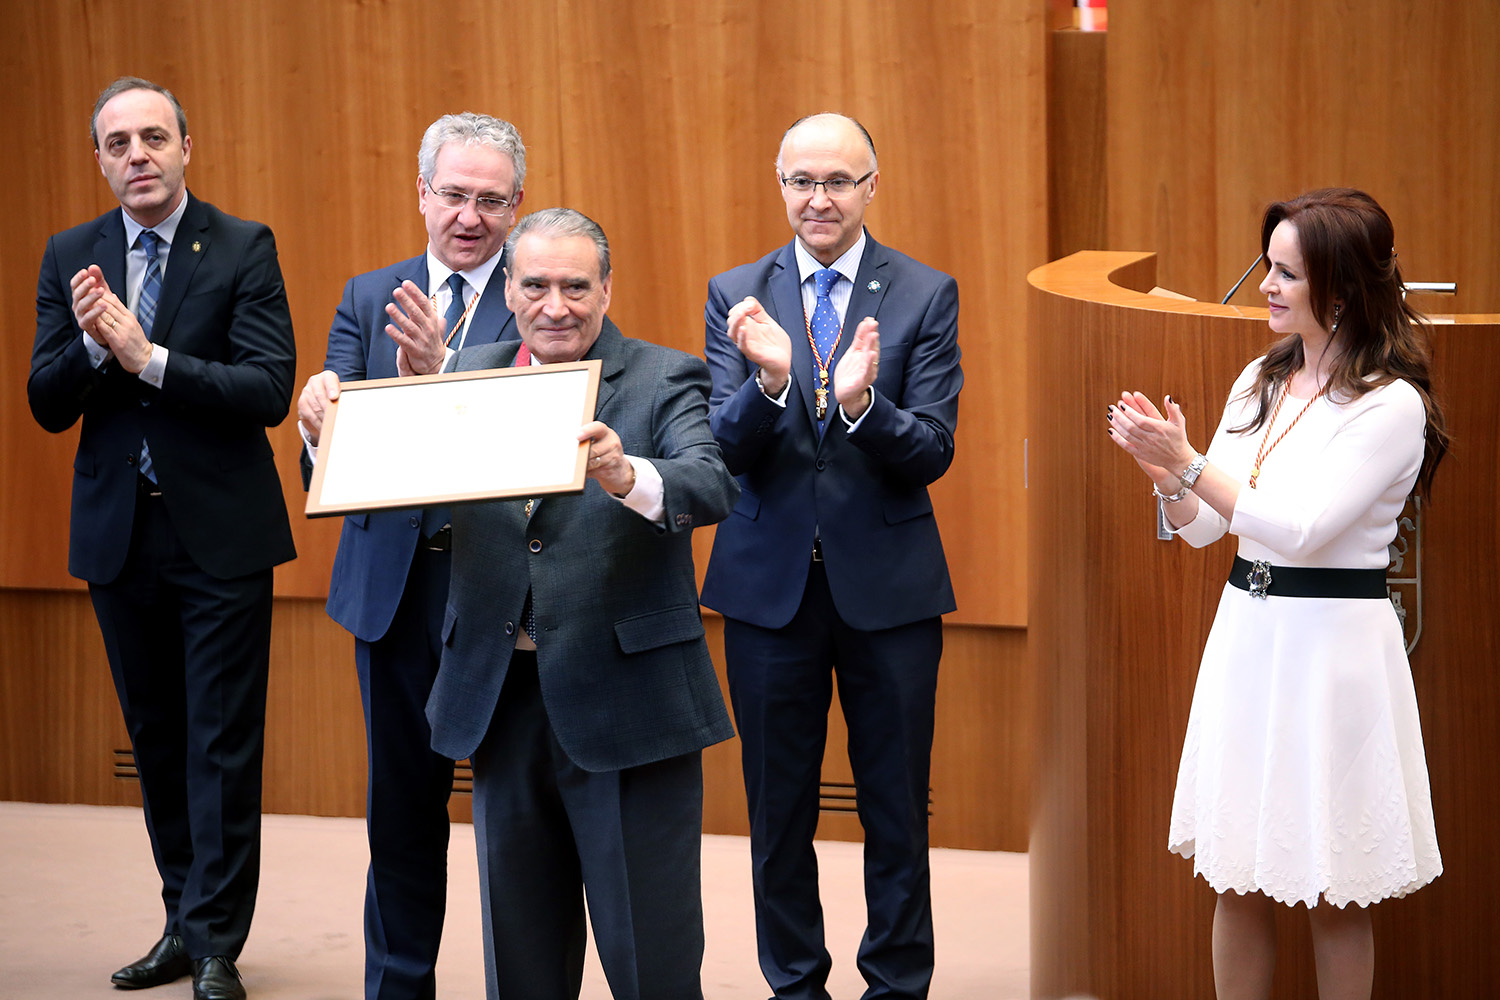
column 376, row 548
column 223, row 316
column 625, row 672
column 864, row 493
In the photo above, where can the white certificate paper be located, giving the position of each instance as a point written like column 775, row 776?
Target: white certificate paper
column 440, row 439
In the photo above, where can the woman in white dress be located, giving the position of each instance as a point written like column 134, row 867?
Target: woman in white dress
column 1303, row 779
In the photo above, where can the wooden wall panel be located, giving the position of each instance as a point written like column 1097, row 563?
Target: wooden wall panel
column 660, row 119
column 1217, row 109
column 698, row 96
column 60, row 724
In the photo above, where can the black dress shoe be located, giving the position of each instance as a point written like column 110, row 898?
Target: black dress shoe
column 167, row 960
column 216, row 978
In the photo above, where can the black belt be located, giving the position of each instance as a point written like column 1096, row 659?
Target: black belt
column 1262, row 579
column 817, row 550
column 146, row 487
column 440, row 540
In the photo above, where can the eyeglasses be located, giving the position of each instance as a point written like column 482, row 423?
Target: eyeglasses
column 836, row 187
column 486, row 204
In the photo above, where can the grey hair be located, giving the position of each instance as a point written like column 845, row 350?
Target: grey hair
column 561, row 222
column 119, row 87
column 472, row 130
column 864, row 132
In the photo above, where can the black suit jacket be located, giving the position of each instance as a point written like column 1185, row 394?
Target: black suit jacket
column 625, row 672
column 223, row 316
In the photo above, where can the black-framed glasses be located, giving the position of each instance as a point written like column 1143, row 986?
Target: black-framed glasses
column 486, row 204
column 835, row 187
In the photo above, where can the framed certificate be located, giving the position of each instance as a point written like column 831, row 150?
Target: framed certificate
column 444, row 439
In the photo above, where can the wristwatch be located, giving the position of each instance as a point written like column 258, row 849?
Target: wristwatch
column 1194, row 469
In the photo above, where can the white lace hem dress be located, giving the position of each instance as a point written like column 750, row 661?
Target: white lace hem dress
column 1302, row 774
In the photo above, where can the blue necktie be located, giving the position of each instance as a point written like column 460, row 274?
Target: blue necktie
column 455, row 314
column 825, row 331
column 433, row 518
column 145, row 314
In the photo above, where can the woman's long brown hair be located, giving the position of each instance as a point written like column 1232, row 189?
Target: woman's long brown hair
column 1348, row 252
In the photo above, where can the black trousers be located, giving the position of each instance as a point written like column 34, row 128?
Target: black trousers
column 781, row 685
column 189, row 654
column 548, row 832
column 406, row 802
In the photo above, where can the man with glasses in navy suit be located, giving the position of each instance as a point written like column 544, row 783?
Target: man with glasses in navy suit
column 836, row 375
column 390, row 576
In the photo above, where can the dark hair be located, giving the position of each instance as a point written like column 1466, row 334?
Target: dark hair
column 1349, row 256
column 125, row 83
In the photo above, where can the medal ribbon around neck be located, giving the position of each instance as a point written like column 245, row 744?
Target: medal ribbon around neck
column 821, row 392
column 1265, row 450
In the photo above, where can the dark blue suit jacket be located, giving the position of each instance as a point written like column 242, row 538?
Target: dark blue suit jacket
column 625, row 672
column 863, row 492
column 376, row 548
column 223, row 315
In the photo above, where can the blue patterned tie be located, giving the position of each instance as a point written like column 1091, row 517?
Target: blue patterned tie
column 455, row 314
column 145, row 314
column 825, row 329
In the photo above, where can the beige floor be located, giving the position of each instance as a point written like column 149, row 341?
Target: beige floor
column 79, row 897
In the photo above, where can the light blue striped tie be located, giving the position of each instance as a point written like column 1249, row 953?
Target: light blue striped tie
column 145, row 312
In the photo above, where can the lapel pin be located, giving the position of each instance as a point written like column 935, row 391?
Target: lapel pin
column 197, row 246
column 873, row 286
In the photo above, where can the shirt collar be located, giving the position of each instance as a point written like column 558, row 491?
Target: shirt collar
column 847, row 264
column 166, row 228
column 477, row 277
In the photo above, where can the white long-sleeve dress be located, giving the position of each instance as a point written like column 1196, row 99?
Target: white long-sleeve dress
column 1303, row 774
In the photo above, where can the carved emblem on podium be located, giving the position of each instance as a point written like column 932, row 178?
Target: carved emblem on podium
column 1403, row 577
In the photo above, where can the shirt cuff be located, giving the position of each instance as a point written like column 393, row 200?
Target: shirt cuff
column 312, row 449
column 156, row 366
column 646, row 496
column 98, row 353
column 853, row 425
column 779, row 400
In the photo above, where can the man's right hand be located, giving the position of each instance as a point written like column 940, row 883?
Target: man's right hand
column 321, row 389
column 89, row 290
column 763, row 342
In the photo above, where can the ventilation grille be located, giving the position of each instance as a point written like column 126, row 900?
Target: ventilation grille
column 122, row 765
column 840, row 797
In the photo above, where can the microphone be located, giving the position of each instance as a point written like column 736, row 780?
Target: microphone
column 1258, row 258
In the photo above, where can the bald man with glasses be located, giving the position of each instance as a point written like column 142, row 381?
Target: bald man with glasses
column 836, row 375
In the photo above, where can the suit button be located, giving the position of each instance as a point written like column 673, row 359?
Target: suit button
column 414, row 521
column 821, row 464
column 536, row 545
column 129, row 459
column 510, row 628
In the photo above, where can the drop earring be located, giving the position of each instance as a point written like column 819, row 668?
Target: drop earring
column 1338, row 311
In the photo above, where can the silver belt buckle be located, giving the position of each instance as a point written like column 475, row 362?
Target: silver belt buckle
column 1259, row 578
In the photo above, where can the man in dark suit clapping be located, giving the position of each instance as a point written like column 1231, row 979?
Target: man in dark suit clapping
column 164, row 326
column 836, row 376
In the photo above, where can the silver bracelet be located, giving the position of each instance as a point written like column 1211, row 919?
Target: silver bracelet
column 1194, row 469
column 1169, row 497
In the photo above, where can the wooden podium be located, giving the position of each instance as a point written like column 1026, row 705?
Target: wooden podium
column 1117, row 624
